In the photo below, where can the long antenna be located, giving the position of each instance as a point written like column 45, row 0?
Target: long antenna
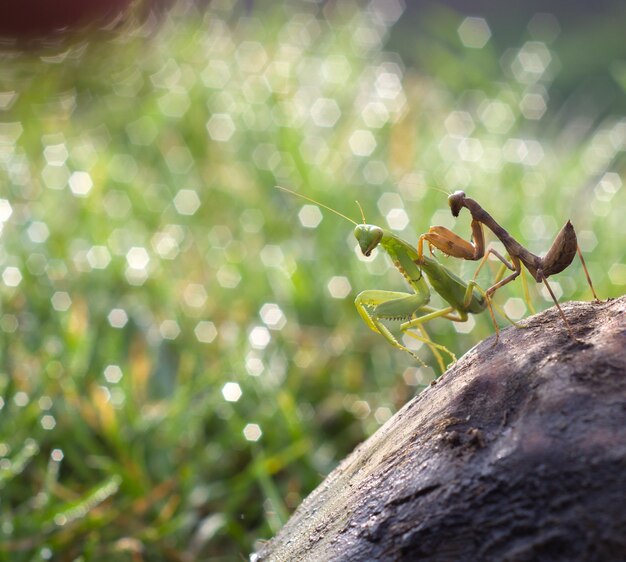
column 317, row 203
column 362, row 213
column 439, row 189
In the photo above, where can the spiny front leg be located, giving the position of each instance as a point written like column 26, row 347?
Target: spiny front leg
column 374, row 306
column 449, row 243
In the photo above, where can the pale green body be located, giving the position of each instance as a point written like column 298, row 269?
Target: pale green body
column 376, row 305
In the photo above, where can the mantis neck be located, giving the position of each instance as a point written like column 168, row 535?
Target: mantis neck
column 513, row 247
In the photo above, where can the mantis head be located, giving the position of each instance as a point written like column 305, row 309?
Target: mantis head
column 368, row 237
column 456, row 202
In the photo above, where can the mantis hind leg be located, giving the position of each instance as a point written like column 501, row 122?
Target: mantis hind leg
column 582, row 260
column 558, row 306
column 492, row 304
column 468, row 298
column 525, row 290
column 434, row 347
column 418, row 323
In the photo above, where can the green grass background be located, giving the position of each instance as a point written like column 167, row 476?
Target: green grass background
column 137, row 176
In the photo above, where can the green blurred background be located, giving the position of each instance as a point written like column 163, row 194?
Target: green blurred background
column 181, row 361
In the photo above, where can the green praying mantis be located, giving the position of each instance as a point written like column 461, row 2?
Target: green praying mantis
column 377, row 306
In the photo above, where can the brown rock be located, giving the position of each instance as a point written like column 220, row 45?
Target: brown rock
column 517, row 454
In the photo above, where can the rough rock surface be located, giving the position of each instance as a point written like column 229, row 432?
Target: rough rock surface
column 518, row 453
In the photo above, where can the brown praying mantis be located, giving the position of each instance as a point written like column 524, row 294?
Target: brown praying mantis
column 377, row 306
column 559, row 256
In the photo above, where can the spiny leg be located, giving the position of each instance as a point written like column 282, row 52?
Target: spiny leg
column 389, row 305
column 446, row 241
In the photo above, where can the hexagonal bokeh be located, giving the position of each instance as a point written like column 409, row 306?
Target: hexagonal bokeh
column 362, row 142
column 11, row 276
column 325, row 112
column 232, row 392
column 187, row 201
column 310, row 216
column 474, row 32
column 252, row 432
column 220, row 127
column 339, row 287
column 61, row 301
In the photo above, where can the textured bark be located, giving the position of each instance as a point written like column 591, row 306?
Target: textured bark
column 518, row 453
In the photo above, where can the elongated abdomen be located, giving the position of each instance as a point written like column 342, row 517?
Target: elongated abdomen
column 562, row 251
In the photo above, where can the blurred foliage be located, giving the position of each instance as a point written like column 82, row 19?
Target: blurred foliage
column 181, row 361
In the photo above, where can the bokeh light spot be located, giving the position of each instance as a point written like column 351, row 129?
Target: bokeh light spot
column 465, row 327
column 220, row 127
column 5, row 210
column 515, row 308
column 55, row 177
column 231, row 392
column 137, row 258
column 48, row 422
column 474, row 32
column 459, row 123
column 118, row 318
column 98, row 257
column 195, row 295
column 272, row 316
column 113, row 374
column 11, row 276
column 61, row 301
column 205, row 331
column 382, row 414
column 169, row 329
column 325, row 112
column 533, row 105
column 310, row 216
column 397, row 219
column 252, row 432
column 80, row 183
column 556, row 289
column 339, row 287
column 55, row 154
column 187, row 202
column 617, row 274
column 228, row 276
column 37, row 231
column 362, row 143
column 259, row 337
column 497, row 116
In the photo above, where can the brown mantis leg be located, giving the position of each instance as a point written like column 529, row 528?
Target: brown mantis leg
column 569, row 328
column 582, row 260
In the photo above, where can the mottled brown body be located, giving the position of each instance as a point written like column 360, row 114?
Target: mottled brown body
column 559, row 256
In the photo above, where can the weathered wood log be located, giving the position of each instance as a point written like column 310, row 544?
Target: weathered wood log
column 518, row 453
